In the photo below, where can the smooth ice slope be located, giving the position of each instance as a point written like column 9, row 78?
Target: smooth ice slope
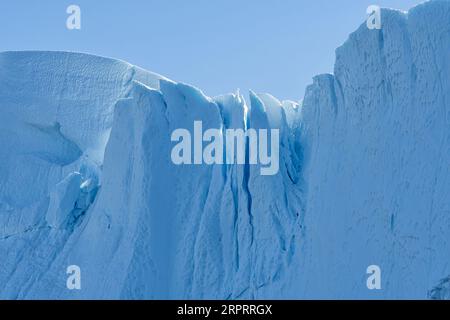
column 86, row 177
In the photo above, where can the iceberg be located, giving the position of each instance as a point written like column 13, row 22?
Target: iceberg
column 87, row 179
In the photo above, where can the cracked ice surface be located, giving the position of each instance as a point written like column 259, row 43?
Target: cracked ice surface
column 86, row 177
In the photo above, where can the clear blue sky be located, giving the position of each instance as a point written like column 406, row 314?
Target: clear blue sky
column 273, row 46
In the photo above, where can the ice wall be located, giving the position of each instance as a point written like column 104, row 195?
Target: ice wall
column 86, row 177
column 378, row 158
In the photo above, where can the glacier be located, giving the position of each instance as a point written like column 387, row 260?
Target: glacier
column 86, row 178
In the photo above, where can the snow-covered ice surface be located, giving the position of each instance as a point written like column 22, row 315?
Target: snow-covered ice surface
column 86, row 177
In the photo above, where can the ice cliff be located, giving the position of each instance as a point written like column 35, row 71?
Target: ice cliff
column 86, row 177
